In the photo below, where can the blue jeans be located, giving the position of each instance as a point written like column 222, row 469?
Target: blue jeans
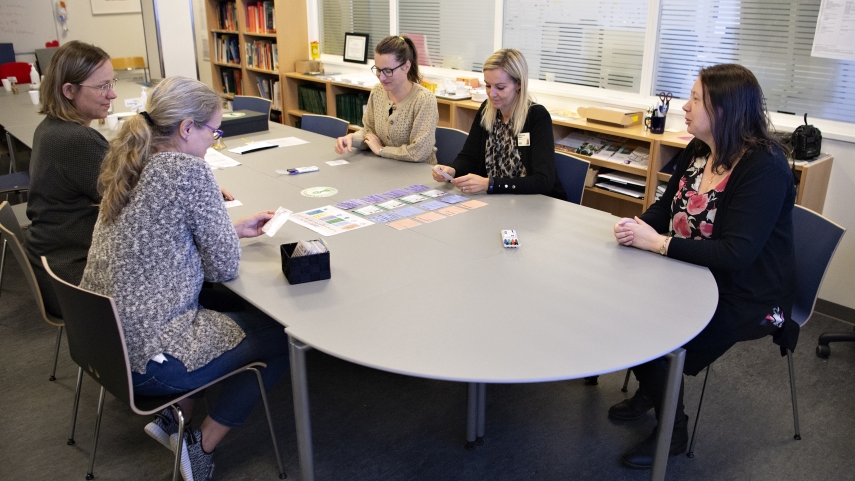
column 265, row 341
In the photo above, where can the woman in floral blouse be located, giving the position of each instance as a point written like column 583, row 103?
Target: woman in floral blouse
column 727, row 207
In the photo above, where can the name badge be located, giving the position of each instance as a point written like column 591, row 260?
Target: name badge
column 523, row 139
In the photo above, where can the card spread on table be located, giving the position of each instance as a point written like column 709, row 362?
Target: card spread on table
column 278, row 220
column 430, row 217
column 473, row 204
column 373, row 199
column 350, row 204
column 454, row 198
column 433, row 205
column 417, row 188
column 367, row 210
column 333, row 163
column 403, row 224
column 232, row 203
column 384, row 218
column 390, row 204
column 451, row 210
column 413, row 199
column 394, row 194
column 408, row 211
column 433, row 193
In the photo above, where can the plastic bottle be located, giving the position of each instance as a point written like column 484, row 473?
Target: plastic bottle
column 34, row 76
column 143, row 98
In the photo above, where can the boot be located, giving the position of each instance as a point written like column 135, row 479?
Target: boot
column 641, row 456
column 632, row 408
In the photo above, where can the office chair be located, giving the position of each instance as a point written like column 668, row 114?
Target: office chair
column 43, row 58
column 96, row 340
column 255, row 104
column 324, row 125
column 572, row 172
column 19, row 70
column 449, row 143
column 15, row 184
column 823, row 350
column 815, row 239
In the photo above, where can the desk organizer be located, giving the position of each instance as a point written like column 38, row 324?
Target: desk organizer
column 305, row 268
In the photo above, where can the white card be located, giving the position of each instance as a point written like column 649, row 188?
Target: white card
column 523, row 139
column 367, row 210
column 333, row 163
column 433, row 193
column 391, row 204
column 232, row 203
column 413, row 199
column 278, row 220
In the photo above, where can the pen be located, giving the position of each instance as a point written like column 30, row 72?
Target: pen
column 302, row 170
column 246, row 140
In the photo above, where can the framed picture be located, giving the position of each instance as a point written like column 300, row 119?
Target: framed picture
column 356, row 47
column 106, row 7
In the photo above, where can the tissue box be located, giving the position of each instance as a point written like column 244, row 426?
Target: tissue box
column 304, row 268
column 308, row 66
column 617, row 117
column 242, row 122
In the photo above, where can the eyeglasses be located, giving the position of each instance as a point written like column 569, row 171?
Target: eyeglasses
column 386, row 71
column 217, row 132
column 111, row 85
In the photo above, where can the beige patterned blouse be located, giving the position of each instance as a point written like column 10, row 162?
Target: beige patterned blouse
column 409, row 132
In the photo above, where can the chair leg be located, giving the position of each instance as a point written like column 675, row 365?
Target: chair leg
column 89, row 474
column 70, row 441
column 269, row 421
column 2, row 263
column 626, row 381
column 691, row 452
column 798, row 434
column 56, row 353
column 180, row 441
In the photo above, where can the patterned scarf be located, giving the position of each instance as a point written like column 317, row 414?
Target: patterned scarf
column 503, row 156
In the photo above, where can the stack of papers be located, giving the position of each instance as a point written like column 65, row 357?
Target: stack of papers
column 309, row 248
column 218, row 160
column 626, row 184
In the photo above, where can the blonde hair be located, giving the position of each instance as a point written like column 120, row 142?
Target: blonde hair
column 72, row 63
column 174, row 100
column 513, row 63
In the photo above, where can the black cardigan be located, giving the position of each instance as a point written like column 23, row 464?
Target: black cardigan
column 751, row 252
column 538, row 158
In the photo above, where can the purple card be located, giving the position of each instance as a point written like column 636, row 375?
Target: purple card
column 394, row 194
column 385, row 217
column 433, row 205
column 454, row 199
column 417, row 188
column 373, row 199
column 408, row 211
column 350, row 204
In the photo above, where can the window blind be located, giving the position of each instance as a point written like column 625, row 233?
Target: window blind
column 772, row 38
column 455, row 34
column 359, row 16
column 594, row 43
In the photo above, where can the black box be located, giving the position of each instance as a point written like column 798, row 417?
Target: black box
column 304, row 268
column 247, row 123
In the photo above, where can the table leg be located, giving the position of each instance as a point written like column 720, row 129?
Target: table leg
column 11, row 144
column 676, row 359
column 471, row 415
column 300, row 388
column 482, row 409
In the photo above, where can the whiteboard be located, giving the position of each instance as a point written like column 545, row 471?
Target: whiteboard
column 27, row 24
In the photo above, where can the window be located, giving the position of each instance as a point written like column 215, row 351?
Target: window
column 449, row 33
column 771, row 38
column 360, row 16
column 583, row 42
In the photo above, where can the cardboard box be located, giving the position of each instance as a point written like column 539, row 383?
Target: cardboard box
column 243, row 122
column 469, row 81
column 308, row 66
column 616, row 117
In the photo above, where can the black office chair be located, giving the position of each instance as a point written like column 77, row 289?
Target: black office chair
column 572, row 172
column 449, row 143
column 324, row 125
column 255, row 104
column 14, row 184
column 96, row 340
column 816, row 239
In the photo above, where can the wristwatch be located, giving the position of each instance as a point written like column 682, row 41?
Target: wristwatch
column 490, row 187
column 380, row 152
column 662, row 250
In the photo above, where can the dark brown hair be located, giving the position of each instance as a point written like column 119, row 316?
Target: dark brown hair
column 404, row 49
column 737, row 110
column 72, row 63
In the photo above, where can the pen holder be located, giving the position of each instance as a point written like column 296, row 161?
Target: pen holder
column 656, row 125
column 304, row 268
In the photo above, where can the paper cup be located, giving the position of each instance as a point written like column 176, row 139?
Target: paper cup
column 7, row 85
column 34, row 96
column 113, row 121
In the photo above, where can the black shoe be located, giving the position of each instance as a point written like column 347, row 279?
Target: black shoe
column 641, row 456
column 632, row 408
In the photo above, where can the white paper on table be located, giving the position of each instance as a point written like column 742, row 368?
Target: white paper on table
column 329, row 220
column 218, row 160
column 333, row 163
column 287, row 141
column 279, row 219
column 252, row 146
column 232, row 203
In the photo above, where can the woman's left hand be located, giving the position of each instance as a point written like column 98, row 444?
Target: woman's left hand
column 645, row 237
column 471, row 183
column 226, row 194
column 373, row 143
column 250, row 226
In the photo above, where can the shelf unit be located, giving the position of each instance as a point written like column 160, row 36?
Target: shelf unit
column 290, row 38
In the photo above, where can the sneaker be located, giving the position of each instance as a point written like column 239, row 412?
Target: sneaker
column 196, row 465
column 163, row 426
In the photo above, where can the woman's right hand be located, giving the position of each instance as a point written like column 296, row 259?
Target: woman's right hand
column 623, row 234
column 344, row 143
column 448, row 170
column 250, row 226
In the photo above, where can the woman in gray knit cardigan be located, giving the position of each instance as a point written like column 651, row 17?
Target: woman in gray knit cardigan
column 161, row 232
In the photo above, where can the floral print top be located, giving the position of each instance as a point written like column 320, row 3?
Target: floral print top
column 693, row 214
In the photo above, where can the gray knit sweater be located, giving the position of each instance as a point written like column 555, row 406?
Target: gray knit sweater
column 172, row 235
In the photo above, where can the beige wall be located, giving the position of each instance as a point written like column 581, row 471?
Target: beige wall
column 120, row 35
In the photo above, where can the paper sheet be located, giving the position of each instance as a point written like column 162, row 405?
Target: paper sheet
column 288, row 142
column 403, row 224
column 279, row 219
column 219, row 160
column 329, row 221
column 232, row 203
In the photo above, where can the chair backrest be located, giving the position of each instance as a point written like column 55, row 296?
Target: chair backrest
column 815, row 239
column 256, row 104
column 96, row 340
column 43, row 57
column 7, row 53
column 324, row 125
column 19, row 70
column 449, row 143
column 14, row 244
column 127, row 63
column 9, row 220
column 572, row 172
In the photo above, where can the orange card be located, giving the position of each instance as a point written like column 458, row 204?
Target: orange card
column 429, row 217
column 472, row 204
column 452, row 210
column 403, row 224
